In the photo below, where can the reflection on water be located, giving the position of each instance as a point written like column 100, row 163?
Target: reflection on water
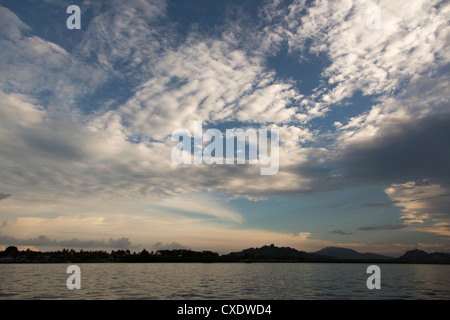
column 172, row 281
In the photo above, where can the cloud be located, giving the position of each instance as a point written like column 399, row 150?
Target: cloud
column 108, row 152
column 201, row 78
column 168, row 246
column 44, row 241
column 403, row 150
column 4, row 196
column 372, row 61
column 341, row 232
column 408, row 154
column 98, row 158
column 11, row 26
column 40, row 68
column 425, row 205
column 374, row 205
column 200, row 205
column 124, row 38
column 207, row 80
column 383, row 227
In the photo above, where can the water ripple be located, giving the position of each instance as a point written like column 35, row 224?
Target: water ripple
column 272, row 281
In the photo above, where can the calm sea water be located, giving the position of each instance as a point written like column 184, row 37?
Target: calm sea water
column 233, row 281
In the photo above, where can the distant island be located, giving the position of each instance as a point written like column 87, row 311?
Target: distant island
column 267, row 254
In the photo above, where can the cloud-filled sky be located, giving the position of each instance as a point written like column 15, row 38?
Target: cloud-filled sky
column 362, row 110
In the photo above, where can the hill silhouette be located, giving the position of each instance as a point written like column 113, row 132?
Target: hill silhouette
column 273, row 251
column 420, row 256
column 269, row 253
column 344, row 253
column 335, row 254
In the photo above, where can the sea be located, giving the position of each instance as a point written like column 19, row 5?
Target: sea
column 227, row 281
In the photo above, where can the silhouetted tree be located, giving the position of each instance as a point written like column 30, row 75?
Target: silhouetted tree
column 12, row 251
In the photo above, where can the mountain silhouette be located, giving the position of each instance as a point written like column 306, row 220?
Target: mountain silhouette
column 266, row 253
column 273, row 251
column 417, row 255
column 349, row 254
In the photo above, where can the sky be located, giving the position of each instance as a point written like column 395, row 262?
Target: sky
column 358, row 92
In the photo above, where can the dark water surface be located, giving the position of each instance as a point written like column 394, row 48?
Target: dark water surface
column 216, row 281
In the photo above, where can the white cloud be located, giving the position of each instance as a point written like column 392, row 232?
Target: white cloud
column 408, row 50
column 373, row 61
column 63, row 158
column 36, row 67
column 210, row 80
column 125, row 37
column 11, row 26
column 425, row 206
column 108, row 153
column 200, row 205
column 207, row 80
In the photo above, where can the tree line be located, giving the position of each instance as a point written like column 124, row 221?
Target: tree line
column 12, row 254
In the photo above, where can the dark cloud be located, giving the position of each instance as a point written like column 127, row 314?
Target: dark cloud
column 376, row 205
column 58, row 147
column 411, row 157
column 342, row 232
column 383, row 227
column 122, row 243
column 416, row 150
column 4, row 195
column 168, row 246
